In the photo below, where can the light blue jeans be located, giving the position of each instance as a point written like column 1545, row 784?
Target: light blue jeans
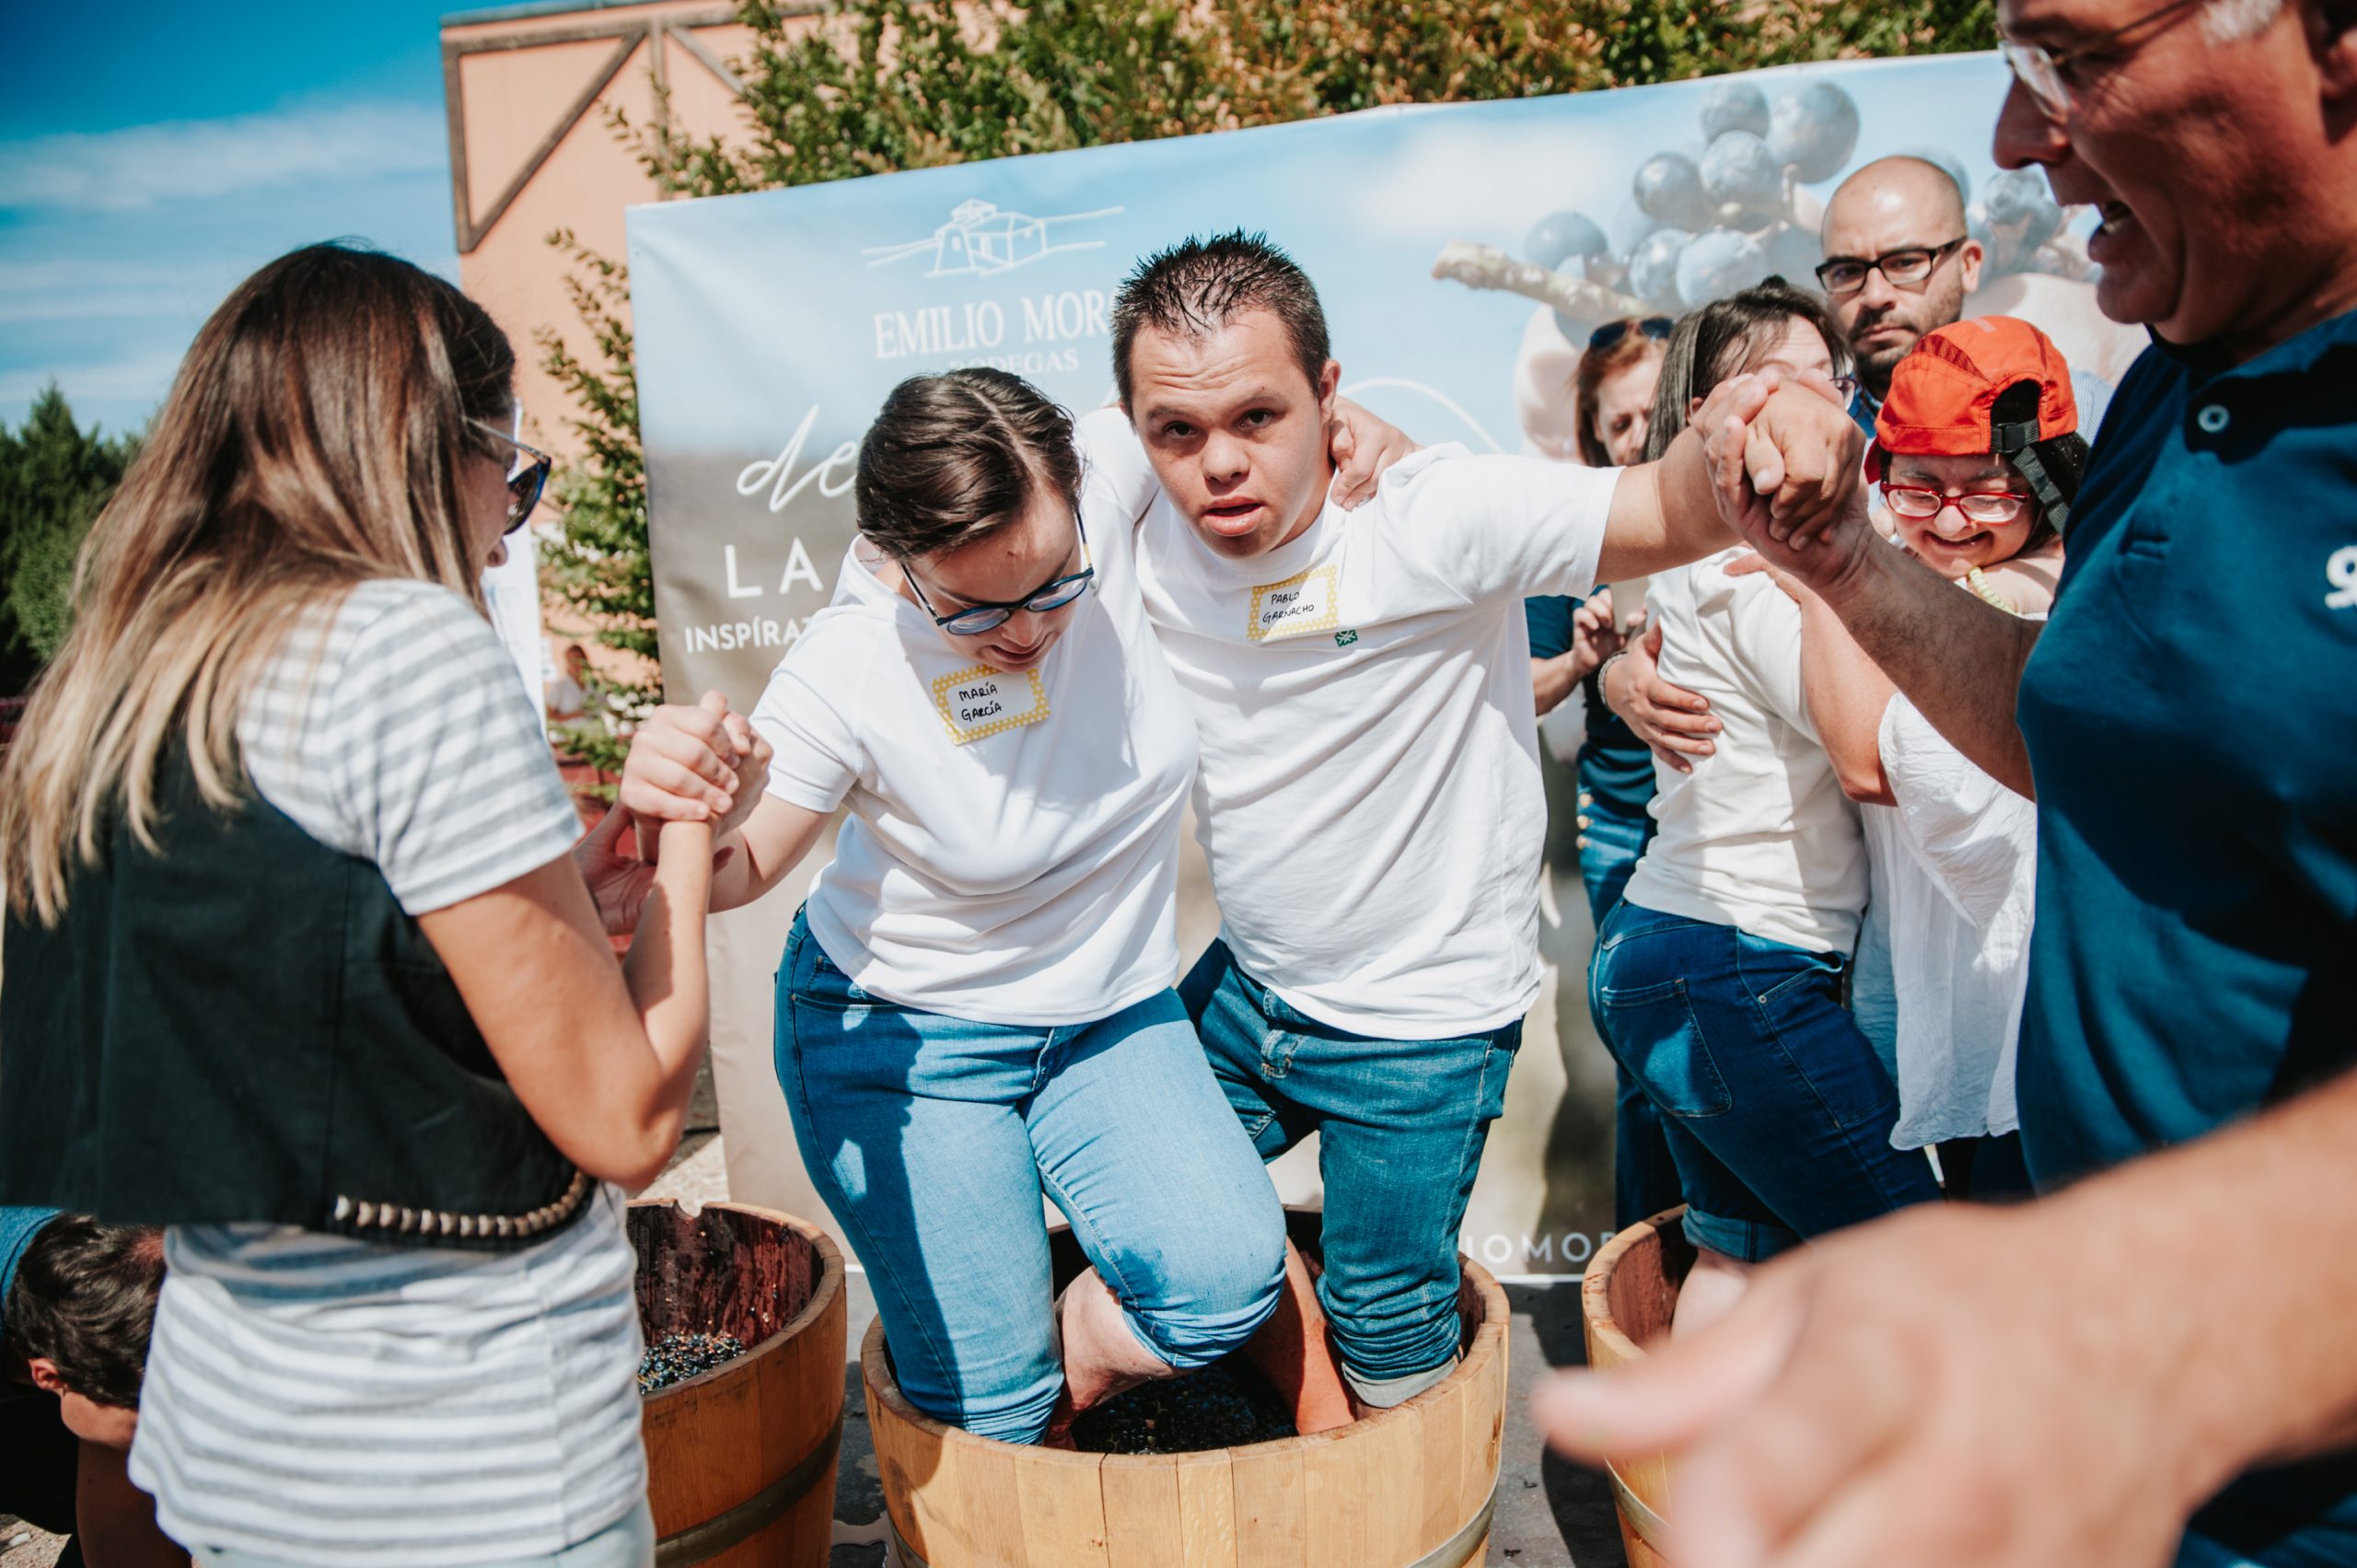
column 628, row 1542
column 1401, row 1125
column 932, row 1138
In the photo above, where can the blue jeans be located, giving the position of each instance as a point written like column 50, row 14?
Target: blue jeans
column 1778, row 1110
column 1644, row 1177
column 628, row 1542
column 1401, row 1123
column 931, row 1139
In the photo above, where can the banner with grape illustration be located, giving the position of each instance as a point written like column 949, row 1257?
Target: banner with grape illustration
column 1464, row 253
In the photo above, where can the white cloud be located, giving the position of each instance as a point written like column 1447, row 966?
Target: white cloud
column 146, row 165
column 63, row 290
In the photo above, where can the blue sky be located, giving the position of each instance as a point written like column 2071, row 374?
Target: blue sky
column 150, row 162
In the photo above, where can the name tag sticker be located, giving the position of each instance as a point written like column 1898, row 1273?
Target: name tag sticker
column 979, row 703
column 1296, row 607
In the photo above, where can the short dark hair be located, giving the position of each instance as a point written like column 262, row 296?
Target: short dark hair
column 85, row 1298
column 954, row 457
column 1709, row 346
column 1196, row 287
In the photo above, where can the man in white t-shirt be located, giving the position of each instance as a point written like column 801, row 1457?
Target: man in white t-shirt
column 1368, row 795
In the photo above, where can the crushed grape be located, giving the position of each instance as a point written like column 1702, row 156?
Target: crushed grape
column 675, row 1358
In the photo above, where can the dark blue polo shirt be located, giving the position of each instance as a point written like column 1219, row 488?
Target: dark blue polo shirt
column 2191, row 716
column 1616, row 771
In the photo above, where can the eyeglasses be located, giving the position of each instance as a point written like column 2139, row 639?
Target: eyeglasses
column 526, row 480
column 1905, row 268
column 2040, row 69
column 1987, row 508
column 977, row 619
column 1611, row 333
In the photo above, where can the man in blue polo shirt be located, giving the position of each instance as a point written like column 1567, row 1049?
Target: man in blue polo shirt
column 2144, row 1351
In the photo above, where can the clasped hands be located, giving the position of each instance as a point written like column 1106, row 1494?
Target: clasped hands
column 687, row 764
column 1785, row 464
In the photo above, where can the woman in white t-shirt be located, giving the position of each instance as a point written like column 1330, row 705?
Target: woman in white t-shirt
column 975, row 1004
column 1718, row 982
column 303, row 961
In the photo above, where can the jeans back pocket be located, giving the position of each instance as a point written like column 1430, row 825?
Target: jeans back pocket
column 1653, row 1032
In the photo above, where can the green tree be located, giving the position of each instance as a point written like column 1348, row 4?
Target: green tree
column 887, row 85
column 54, row 479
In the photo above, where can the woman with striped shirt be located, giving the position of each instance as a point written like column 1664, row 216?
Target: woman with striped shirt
column 304, row 962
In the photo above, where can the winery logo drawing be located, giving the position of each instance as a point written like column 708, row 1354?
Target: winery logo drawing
column 980, row 240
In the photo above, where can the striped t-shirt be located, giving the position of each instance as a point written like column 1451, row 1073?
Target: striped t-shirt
column 317, row 1399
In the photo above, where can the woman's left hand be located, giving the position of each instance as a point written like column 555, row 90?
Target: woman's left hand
column 619, row 882
column 1362, row 446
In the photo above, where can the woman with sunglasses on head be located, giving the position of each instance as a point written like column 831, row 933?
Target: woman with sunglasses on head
column 305, row 965
column 1978, row 456
column 975, row 1002
column 1718, row 982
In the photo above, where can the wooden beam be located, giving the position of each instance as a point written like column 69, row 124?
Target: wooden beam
column 580, row 32
column 705, row 57
column 623, row 50
column 454, row 109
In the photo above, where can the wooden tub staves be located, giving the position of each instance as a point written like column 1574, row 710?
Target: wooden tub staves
column 1626, row 1302
column 1412, row 1487
column 740, row 1461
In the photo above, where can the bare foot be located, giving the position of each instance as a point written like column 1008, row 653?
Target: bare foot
column 1293, row 1350
column 1102, row 1356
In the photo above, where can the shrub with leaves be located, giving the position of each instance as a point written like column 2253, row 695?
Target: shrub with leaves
column 54, row 480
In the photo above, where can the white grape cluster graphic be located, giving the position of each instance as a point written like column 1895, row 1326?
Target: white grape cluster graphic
column 1747, row 207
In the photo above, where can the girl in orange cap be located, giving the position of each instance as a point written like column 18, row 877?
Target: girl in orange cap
column 1978, row 457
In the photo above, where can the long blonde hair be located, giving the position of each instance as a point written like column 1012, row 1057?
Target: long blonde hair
column 313, row 440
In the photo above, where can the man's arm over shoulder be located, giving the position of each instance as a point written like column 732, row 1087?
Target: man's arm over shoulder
column 1495, row 527
column 1114, row 470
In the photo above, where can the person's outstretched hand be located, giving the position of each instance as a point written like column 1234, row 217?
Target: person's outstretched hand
column 1362, row 446
column 1674, row 723
column 1948, row 1389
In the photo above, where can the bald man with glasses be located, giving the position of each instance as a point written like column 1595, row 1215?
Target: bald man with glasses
column 1897, row 265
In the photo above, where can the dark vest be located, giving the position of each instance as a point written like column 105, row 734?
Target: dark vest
column 246, row 1027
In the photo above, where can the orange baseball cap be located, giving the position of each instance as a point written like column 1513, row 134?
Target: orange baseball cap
column 1944, row 394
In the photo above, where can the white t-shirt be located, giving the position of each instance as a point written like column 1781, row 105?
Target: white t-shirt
column 1760, row 835
column 1944, row 965
column 316, row 1399
column 1369, row 796
column 1011, row 852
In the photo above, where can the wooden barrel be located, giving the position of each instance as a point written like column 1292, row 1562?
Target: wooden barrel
column 740, row 1461
column 1412, row 1487
column 1626, row 1300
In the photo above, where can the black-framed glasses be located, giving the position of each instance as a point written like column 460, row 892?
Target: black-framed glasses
column 1987, row 508
column 526, row 481
column 1906, row 268
column 977, row 619
column 1611, row 333
column 2039, row 69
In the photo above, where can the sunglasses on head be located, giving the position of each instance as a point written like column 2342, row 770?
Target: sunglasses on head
column 525, row 481
column 1613, row 331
